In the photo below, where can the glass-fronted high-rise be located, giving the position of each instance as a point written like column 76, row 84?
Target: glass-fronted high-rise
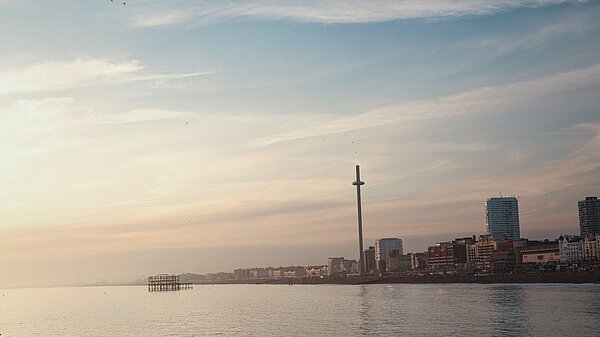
column 589, row 216
column 502, row 218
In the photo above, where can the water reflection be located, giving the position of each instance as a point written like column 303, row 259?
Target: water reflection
column 366, row 309
column 336, row 311
column 511, row 318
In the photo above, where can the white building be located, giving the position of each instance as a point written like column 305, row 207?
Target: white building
column 502, row 218
column 383, row 247
column 316, row 271
column 570, row 248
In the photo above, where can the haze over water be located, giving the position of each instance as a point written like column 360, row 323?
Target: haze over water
column 325, row 310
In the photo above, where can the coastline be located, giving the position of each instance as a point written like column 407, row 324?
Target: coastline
column 559, row 278
column 525, row 278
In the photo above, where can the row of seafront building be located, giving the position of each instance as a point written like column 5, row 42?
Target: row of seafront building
column 486, row 254
column 501, row 249
column 472, row 255
column 260, row 273
column 482, row 254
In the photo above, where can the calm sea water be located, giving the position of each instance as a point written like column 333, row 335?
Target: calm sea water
column 309, row 310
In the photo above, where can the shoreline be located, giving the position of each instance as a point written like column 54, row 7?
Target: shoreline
column 529, row 278
column 558, row 278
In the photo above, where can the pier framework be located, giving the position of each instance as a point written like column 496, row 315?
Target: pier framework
column 166, row 282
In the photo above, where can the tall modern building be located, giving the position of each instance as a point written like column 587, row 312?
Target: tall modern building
column 589, row 216
column 502, row 218
column 370, row 262
column 382, row 249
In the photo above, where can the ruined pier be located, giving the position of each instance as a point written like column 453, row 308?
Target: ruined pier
column 166, row 282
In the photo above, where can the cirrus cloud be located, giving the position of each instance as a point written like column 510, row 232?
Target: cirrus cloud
column 470, row 101
column 79, row 72
column 327, row 12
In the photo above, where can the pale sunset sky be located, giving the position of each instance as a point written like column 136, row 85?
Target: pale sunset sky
column 202, row 136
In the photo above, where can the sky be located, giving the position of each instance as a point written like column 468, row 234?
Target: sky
column 203, row 136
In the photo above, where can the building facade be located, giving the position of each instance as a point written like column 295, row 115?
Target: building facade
column 396, row 262
column 507, row 253
column 590, row 248
column 382, row 248
column 446, row 255
column 502, row 218
column 418, row 261
column 315, row 271
column 370, row 261
column 589, row 216
column 341, row 267
column 480, row 252
column 541, row 254
column 570, row 248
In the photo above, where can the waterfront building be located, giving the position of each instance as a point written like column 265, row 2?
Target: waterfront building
column 418, row 261
column 502, row 218
column 503, row 257
column 507, row 253
column 355, row 268
column 259, row 273
column 341, row 267
column 240, row 274
column 370, row 261
column 316, row 271
column 251, row 274
column 570, row 248
column 480, row 252
column 382, row 247
column 447, row 255
column 335, row 266
column 591, row 246
column 396, row 262
column 589, row 216
column 548, row 253
column 293, row 271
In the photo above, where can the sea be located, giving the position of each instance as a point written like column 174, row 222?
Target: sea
column 305, row 310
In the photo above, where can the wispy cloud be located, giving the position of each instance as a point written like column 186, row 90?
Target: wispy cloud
column 55, row 76
column 30, row 127
column 48, row 76
column 570, row 26
column 475, row 100
column 139, row 115
column 353, row 11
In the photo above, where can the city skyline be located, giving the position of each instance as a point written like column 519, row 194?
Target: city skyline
column 201, row 137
